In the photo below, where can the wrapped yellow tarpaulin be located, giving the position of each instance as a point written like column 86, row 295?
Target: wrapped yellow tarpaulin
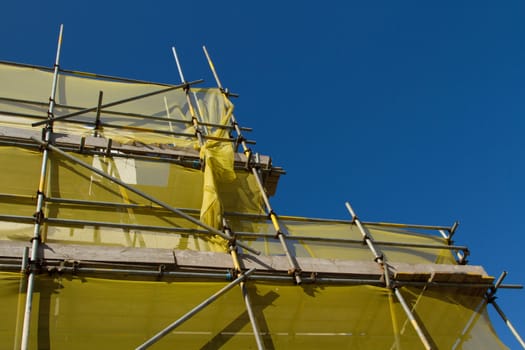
column 86, row 313
column 218, row 158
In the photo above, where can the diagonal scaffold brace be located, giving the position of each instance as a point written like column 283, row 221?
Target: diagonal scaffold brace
column 142, row 194
column 194, row 311
column 379, row 258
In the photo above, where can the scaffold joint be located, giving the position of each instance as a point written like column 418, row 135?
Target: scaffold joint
column 39, row 217
column 34, row 266
column 491, row 297
column 463, row 260
column 232, row 245
column 161, row 270
column 45, row 143
column 313, row 276
column 38, row 239
column 240, row 139
column 75, row 267
column 296, row 273
column 248, row 153
column 380, row 258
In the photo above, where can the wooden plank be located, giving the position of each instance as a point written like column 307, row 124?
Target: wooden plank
column 92, row 142
column 270, row 174
column 278, row 264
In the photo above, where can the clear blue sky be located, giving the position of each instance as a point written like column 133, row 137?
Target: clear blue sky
column 413, row 113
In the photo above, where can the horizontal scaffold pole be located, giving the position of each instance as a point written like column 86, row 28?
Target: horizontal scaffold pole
column 246, row 215
column 142, row 194
column 76, row 222
column 117, row 113
column 115, row 103
column 194, row 311
column 84, row 74
column 121, row 269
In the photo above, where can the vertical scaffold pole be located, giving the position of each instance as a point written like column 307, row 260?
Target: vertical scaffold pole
column 491, row 299
column 294, row 269
column 195, row 122
column 142, row 194
column 237, row 265
column 380, row 260
column 39, row 214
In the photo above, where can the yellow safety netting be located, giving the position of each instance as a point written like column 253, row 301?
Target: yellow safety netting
column 85, row 313
column 178, row 186
column 349, row 251
column 24, row 95
column 82, row 207
column 181, row 187
column 25, row 92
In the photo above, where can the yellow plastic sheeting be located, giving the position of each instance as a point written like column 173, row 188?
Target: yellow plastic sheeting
column 86, row 313
column 219, row 160
column 179, row 186
column 339, row 250
column 73, row 91
column 434, row 310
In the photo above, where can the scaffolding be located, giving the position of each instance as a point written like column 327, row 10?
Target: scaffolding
column 145, row 207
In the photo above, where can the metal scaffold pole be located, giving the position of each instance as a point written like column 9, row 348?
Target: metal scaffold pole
column 39, row 214
column 194, row 311
column 244, row 290
column 142, row 194
column 118, row 102
column 508, row 323
column 294, row 268
column 194, row 120
column 380, row 260
column 491, row 299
